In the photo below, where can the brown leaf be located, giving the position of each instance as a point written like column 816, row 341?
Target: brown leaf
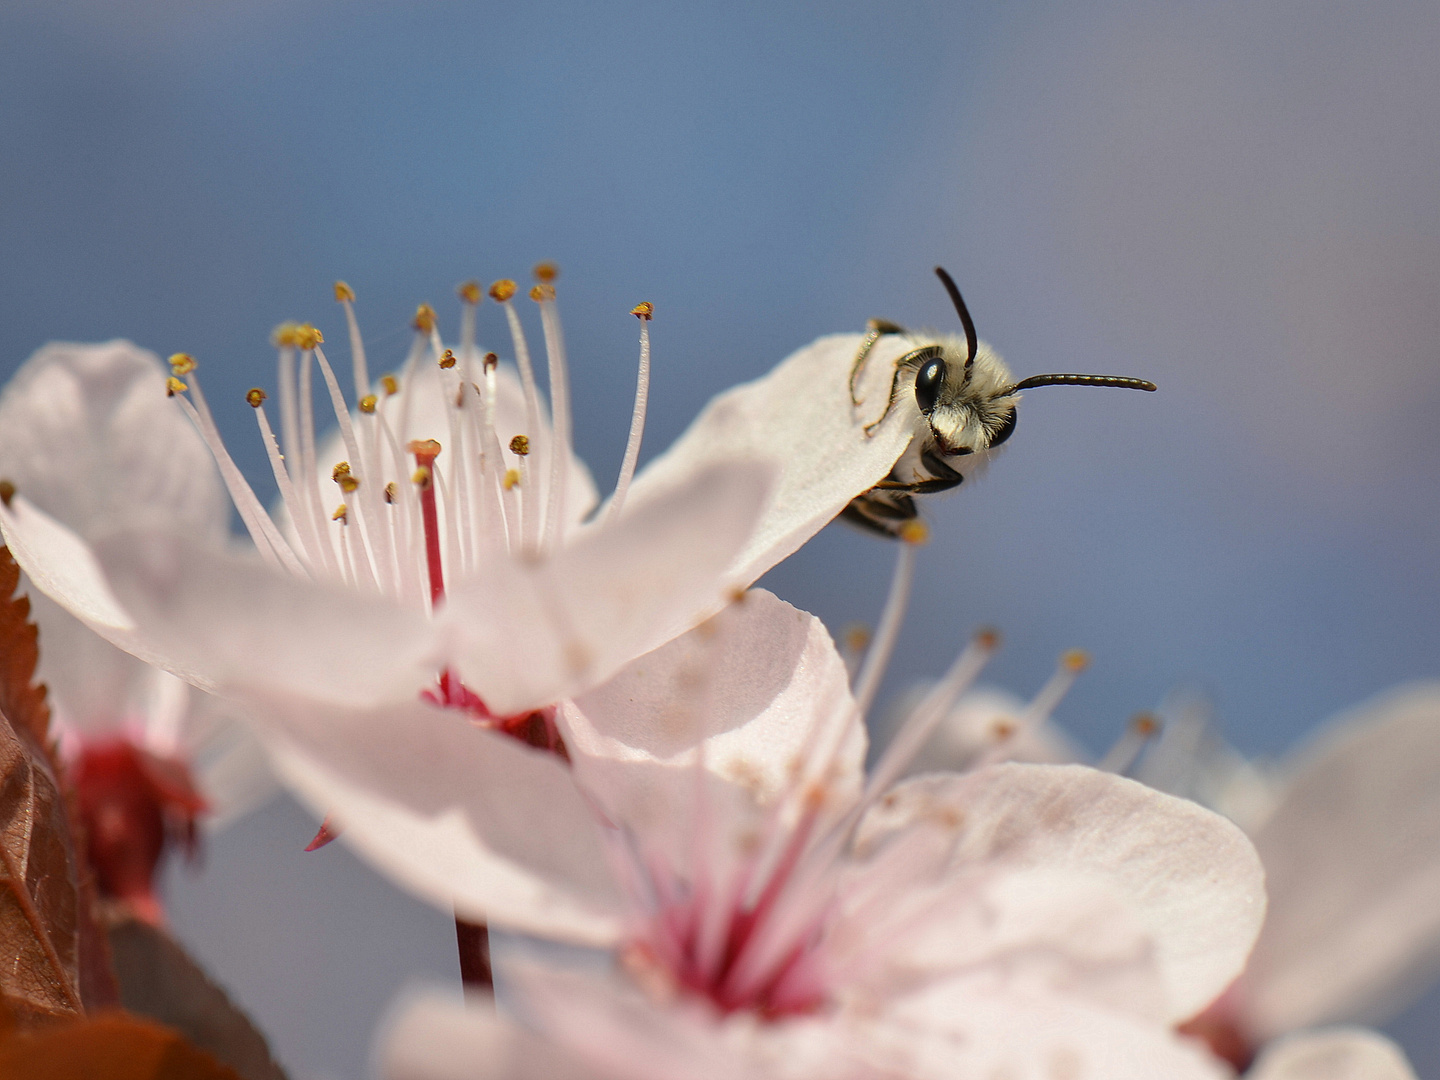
column 22, row 702
column 111, row 1046
column 39, row 926
column 160, row 980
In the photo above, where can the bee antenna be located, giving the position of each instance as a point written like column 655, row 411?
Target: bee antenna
column 1078, row 380
column 972, row 342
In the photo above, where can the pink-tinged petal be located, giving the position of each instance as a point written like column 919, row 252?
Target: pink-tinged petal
column 528, row 632
column 799, row 419
column 1192, row 879
column 1336, row 1054
column 1352, row 857
column 461, row 816
column 88, row 435
column 227, row 622
column 439, row 1038
column 761, row 686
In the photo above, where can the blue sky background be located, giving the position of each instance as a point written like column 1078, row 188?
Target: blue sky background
column 1237, row 200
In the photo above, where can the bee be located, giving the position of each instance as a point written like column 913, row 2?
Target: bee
column 967, row 402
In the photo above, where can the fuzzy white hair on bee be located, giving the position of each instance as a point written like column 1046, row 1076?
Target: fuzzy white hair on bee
column 966, row 401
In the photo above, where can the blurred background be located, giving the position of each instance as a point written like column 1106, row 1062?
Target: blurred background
column 1240, row 201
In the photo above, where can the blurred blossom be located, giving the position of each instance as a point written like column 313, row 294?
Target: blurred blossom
column 1348, row 826
column 86, row 436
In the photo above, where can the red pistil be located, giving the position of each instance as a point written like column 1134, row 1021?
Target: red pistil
column 134, row 806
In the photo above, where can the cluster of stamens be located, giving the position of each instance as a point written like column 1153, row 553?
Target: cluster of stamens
column 410, row 514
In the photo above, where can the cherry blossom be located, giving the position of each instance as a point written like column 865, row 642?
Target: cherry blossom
column 772, row 909
column 453, row 549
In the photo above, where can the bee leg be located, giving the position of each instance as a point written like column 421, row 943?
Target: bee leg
column 875, row 330
column 943, row 478
column 885, row 513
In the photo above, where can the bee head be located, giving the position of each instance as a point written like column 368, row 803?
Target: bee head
column 965, row 391
column 963, row 396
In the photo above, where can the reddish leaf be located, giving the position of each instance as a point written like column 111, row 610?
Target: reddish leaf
column 52, row 942
column 112, row 1046
column 22, row 702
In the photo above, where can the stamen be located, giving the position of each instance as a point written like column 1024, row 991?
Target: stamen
column 544, row 295
column 262, row 530
column 426, row 451
column 917, row 729
column 345, row 296
column 1121, row 757
column 1041, row 706
column 877, row 657
column 644, row 312
column 304, row 526
column 501, row 292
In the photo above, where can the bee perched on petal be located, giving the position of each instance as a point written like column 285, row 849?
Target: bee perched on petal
column 967, row 402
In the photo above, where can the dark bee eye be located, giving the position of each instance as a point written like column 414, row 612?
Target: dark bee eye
column 1007, row 428
column 927, row 384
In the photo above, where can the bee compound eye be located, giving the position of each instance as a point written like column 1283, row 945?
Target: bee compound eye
column 927, row 383
column 1007, row 428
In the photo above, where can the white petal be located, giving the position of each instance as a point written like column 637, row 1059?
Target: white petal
column 88, row 435
column 1338, row 1054
column 984, row 1029
column 762, row 687
column 229, row 623
column 439, row 1038
column 1352, row 856
column 527, row 632
column 799, row 419
column 1192, row 879
column 461, row 816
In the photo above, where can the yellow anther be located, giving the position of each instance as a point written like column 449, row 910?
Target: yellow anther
column 914, row 531
column 342, row 468
column 541, row 293
column 424, row 321
column 1075, row 660
column 1145, row 724
column 546, row 271
column 491, row 360
column 421, row 477
column 182, row 364
column 645, row 310
column 174, row 386
column 1002, row 729
column 424, row 448
column 512, row 479
column 502, row 290
column 391, row 492
column 739, row 594
column 344, row 294
column 447, row 360
column 255, row 396
column 307, row 337
column 391, row 385
column 340, row 514
column 7, row 492
column 347, row 483
column 283, row 336
column 520, row 445
column 988, row 639
column 469, row 291
column 368, row 403
column 857, row 637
